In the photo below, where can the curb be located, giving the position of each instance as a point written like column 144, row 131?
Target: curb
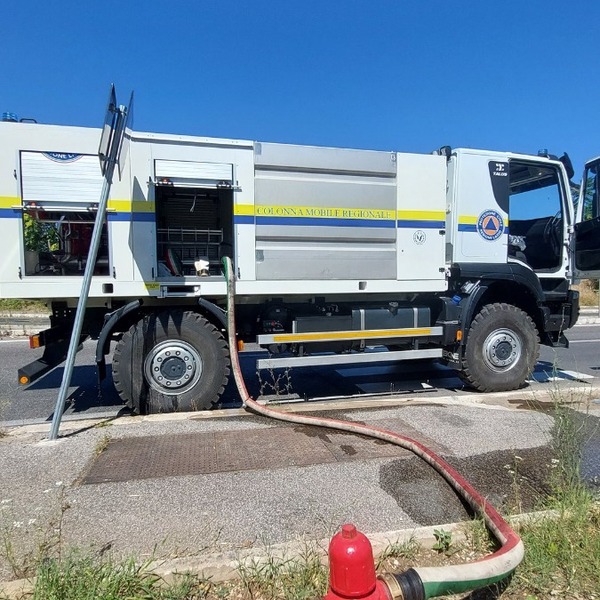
column 487, row 401
column 22, row 324
column 224, row 566
column 589, row 316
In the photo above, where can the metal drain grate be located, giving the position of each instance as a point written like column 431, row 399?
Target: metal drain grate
column 201, row 453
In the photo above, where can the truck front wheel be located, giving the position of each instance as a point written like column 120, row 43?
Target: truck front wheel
column 174, row 361
column 502, row 349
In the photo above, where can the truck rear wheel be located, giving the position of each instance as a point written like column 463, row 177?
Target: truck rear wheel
column 174, row 361
column 502, row 348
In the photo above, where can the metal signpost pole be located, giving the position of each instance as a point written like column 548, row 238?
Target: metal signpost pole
column 110, row 160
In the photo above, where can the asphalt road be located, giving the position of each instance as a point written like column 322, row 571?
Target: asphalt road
column 18, row 405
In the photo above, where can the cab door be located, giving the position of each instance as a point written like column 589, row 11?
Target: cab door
column 586, row 246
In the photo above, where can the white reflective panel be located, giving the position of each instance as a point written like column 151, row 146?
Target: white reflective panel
column 193, row 171
column 60, row 177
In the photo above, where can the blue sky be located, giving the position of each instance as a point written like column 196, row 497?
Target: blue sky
column 391, row 75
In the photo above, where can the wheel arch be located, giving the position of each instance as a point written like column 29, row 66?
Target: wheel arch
column 213, row 313
column 124, row 317
column 504, row 283
column 508, row 292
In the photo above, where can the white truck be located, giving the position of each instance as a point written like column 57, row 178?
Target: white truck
column 341, row 256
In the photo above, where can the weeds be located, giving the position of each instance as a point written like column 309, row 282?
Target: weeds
column 588, row 292
column 407, row 550
column 300, row 578
column 567, row 438
column 278, row 384
column 443, row 541
column 29, row 306
column 515, row 485
column 102, row 444
column 78, row 576
column 562, row 555
column 478, row 539
column 19, row 552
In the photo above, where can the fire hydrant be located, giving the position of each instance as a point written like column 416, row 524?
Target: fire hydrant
column 351, row 568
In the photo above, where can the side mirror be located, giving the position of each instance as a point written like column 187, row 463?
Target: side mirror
column 566, row 161
column 444, row 151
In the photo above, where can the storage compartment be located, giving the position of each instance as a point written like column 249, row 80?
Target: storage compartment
column 58, row 242
column 193, row 224
column 60, row 196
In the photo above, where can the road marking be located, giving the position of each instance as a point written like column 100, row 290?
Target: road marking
column 575, row 374
column 583, row 341
column 14, row 341
column 543, row 376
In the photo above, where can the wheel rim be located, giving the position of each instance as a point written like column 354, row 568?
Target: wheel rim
column 502, row 349
column 173, row 367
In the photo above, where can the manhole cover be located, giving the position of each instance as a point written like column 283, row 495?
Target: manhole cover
column 201, row 453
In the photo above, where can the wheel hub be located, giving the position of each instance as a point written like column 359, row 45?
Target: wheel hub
column 172, row 367
column 502, row 349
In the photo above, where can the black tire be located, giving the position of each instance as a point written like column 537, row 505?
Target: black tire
column 502, row 349
column 174, row 361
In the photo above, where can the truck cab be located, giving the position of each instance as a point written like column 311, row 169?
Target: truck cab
column 510, row 209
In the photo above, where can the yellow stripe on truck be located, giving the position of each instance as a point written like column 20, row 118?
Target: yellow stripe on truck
column 9, row 201
column 129, row 206
column 421, row 215
column 322, row 336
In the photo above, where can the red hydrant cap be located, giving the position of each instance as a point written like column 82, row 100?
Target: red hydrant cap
column 351, row 566
column 349, row 531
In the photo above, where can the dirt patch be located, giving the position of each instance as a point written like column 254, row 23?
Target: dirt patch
column 513, row 481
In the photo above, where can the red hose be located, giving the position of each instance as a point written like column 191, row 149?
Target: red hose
column 436, row 580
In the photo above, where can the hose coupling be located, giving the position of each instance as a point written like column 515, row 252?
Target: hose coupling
column 403, row 586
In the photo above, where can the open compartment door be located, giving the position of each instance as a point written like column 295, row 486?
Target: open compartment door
column 586, row 259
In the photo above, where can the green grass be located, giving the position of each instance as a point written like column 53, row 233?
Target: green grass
column 408, row 550
column 562, row 555
column 588, row 292
column 81, row 577
column 102, row 445
column 301, row 578
column 25, row 306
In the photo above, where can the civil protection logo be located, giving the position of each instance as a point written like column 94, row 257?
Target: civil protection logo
column 490, row 225
column 62, row 157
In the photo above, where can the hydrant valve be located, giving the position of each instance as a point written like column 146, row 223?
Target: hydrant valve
column 351, row 568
